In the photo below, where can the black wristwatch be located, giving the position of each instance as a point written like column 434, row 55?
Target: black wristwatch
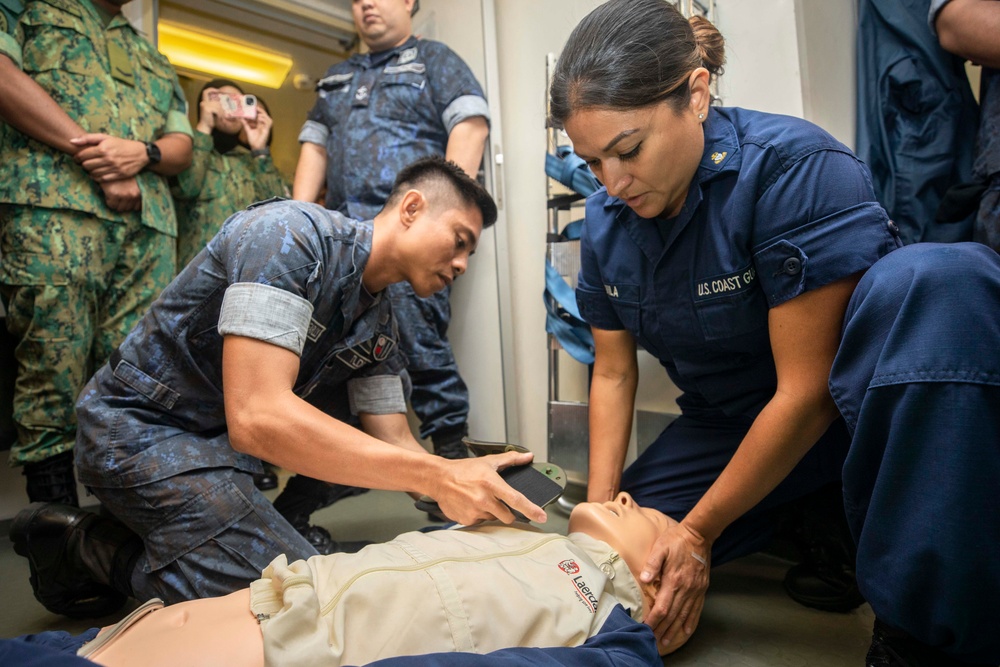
column 153, row 153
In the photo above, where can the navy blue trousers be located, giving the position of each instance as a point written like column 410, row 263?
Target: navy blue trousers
column 917, row 379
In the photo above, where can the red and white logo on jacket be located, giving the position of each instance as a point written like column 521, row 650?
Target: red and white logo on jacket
column 583, row 592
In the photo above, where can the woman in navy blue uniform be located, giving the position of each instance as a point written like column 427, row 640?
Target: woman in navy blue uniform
column 730, row 244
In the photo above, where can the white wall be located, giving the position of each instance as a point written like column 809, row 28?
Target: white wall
column 527, row 30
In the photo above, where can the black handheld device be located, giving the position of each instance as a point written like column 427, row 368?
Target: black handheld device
column 541, row 483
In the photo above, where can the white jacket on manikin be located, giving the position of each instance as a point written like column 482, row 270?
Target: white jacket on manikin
column 475, row 589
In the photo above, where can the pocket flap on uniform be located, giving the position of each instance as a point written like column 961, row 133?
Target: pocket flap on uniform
column 22, row 268
column 145, row 385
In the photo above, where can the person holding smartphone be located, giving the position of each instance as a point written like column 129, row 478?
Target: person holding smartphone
column 230, row 169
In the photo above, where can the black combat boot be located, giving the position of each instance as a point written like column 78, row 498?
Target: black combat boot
column 81, row 563
column 51, row 480
column 824, row 579
column 448, row 443
column 304, row 495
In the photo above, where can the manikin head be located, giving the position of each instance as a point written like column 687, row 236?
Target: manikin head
column 383, row 24
column 626, row 527
column 429, row 227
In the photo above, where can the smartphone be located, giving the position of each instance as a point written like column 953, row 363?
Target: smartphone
column 541, row 483
column 235, row 105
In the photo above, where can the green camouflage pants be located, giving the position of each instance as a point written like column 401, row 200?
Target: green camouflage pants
column 73, row 285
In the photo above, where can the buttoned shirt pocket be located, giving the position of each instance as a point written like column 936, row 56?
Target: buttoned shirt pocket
column 400, row 92
column 157, row 78
column 334, row 93
column 733, row 316
column 43, row 24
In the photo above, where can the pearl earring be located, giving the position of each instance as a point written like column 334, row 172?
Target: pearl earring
column 701, row 116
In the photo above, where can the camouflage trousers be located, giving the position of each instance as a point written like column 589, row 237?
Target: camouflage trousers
column 439, row 396
column 73, row 286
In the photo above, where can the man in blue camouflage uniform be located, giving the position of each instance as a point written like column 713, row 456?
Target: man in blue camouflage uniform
column 376, row 112
column 969, row 28
column 285, row 309
column 94, row 121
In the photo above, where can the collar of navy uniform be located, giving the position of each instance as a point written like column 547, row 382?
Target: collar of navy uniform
column 382, row 57
column 722, row 147
column 351, row 284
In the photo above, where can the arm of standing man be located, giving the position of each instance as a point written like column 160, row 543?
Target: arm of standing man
column 266, row 419
column 108, row 158
column 969, row 28
column 310, row 172
column 466, row 143
column 25, row 106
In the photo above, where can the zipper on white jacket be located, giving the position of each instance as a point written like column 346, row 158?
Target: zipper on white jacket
column 607, row 566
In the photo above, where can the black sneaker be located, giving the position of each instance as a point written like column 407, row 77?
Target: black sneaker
column 448, row 444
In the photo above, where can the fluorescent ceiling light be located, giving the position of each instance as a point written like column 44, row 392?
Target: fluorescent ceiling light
column 224, row 58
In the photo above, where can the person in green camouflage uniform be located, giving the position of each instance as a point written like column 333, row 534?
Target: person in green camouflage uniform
column 231, row 169
column 94, row 121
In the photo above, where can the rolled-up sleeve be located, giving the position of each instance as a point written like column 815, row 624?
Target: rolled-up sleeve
column 932, row 12
column 464, row 108
column 377, row 395
column 10, row 48
column 313, row 132
column 818, row 222
column 266, row 313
